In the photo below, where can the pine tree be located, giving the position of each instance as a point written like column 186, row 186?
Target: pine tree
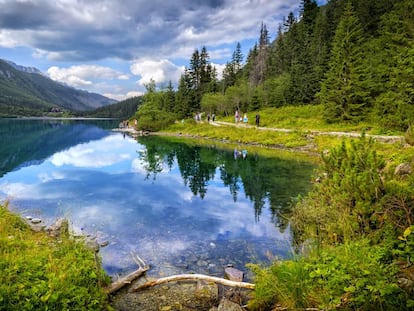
column 170, row 97
column 343, row 91
column 233, row 69
column 237, row 58
column 260, row 58
column 184, row 96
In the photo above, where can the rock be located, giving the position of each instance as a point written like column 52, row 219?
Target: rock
column 206, row 290
column 233, row 274
column 403, row 169
column 227, row 305
column 92, row 244
column 105, row 243
column 202, row 263
column 37, row 227
column 61, row 226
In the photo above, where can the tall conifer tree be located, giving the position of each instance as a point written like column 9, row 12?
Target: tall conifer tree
column 343, row 92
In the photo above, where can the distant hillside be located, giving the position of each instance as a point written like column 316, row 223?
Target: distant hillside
column 25, row 91
column 122, row 110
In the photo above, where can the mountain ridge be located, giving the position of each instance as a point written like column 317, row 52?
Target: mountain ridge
column 27, row 91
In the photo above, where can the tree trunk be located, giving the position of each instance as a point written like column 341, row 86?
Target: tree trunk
column 188, row 277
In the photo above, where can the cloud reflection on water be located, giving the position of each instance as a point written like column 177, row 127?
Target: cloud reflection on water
column 102, row 186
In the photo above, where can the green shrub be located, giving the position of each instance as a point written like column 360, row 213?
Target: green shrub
column 345, row 201
column 352, row 276
column 150, row 119
column 43, row 273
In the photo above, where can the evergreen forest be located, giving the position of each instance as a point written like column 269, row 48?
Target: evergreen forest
column 353, row 57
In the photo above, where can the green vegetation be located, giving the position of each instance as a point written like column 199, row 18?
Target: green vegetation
column 355, row 235
column 43, row 273
column 352, row 59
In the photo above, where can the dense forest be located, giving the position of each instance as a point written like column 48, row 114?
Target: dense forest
column 121, row 110
column 355, row 58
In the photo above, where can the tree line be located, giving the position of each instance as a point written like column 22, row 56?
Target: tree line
column 354, row 57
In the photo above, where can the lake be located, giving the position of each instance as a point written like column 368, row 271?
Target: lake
column 181, row 206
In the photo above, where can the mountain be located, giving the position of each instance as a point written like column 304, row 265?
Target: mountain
column 22, row 68
column 26, row 91
column 121, row 110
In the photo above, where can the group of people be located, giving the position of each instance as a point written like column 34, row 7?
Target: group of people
column 211, row 117
column 238, row 118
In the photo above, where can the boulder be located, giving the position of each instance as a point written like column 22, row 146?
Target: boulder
column 233, row 274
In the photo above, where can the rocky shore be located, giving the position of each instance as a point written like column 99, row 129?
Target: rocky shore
column 181, row 295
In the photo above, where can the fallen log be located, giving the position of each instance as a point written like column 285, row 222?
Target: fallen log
column 118, row 284
column 191, row 277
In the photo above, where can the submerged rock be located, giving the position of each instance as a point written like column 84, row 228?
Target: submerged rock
column 227, row 305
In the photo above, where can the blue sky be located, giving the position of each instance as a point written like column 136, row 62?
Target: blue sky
column 114, row 47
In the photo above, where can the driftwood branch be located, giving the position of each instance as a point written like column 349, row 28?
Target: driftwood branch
column 190, row 277
column 118, row 284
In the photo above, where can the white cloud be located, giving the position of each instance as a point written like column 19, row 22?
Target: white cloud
column 84, row 75
column 119, row 96
column 219, row 69
column 161, row 71
column 7, row 39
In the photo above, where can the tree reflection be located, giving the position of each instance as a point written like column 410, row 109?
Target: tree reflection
column 27, row 141
column 263, row 179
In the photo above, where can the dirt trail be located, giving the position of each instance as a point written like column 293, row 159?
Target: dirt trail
column 382, row 138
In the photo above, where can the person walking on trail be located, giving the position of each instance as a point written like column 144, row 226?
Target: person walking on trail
column 245, row 119
column 236, row 116
column 257, row 120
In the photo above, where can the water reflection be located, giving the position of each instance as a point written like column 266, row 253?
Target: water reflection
column 25, row 141
column 260, row 179
column 181, row 207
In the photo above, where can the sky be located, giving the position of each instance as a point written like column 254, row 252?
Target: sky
column 114, row 47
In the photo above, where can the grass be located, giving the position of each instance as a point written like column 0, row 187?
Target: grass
column 43, row 273
column 301, row 121
column 308, row 118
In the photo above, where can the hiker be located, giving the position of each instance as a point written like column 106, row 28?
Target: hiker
column 245, row 119
column 257, row 120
